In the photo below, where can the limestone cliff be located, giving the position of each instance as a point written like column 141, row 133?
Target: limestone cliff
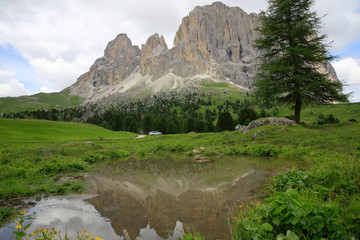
column 213, row 41
column 119, row 61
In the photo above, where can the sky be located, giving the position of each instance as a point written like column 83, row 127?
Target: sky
column 45, row 45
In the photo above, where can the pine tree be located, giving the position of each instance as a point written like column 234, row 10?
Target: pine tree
column 292, row 50
column 147, row 124
column 225, row 122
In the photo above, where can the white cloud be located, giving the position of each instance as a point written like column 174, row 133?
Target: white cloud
column 62, row 38
column 59, row 74
column 342, row 21
column 10, row 86
column 348, row 70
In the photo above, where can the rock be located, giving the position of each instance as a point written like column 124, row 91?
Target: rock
column 198, row 150
column 119, row 61
column 258, row 134
column 155, row 57
column 264, row 121
column 200, row 159
column 240, row 127
column 214, row 42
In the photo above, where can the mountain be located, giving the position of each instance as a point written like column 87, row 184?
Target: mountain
column 213, row 43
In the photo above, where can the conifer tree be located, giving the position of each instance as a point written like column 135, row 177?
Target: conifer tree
column 293, row 49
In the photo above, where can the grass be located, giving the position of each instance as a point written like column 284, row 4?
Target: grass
column 50, row 158
column 309, row 114
column 38, row 101
column 16, row 130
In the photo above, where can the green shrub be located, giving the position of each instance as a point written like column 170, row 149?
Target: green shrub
column 295, row 152
column 305, row 218
column 329, row 119
column 209, row 153
column 93, row 158
column 74, row 167
column 264, row 150
column 124, row 153
column 293, row 179
column 236, row 150
column 49, row 168
column 5, row 213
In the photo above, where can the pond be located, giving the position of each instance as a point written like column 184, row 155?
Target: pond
column 158, row 198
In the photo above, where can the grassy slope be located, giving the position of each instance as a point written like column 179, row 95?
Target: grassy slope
column 16, row 130
column 37, row 101
column 309, row 114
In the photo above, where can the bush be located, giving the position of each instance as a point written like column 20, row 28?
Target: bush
column 246, row 115
column 263, row 150
column 210, row 153
column 329, row 119
column 352, row 120
column 290, row 215
column 236, row 150
column 293, row 179
column 297, row 153
column 93, row 158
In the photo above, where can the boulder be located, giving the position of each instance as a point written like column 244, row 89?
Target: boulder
column 264, row 121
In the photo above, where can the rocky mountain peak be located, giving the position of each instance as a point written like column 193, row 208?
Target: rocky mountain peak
column 154, row 43
column 212, row 42
column 120, row 45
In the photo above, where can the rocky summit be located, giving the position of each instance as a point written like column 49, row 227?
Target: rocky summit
column 213, row 43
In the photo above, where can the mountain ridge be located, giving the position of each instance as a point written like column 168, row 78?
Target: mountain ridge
column 213, row 43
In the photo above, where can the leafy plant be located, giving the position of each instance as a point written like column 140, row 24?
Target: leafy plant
column 293, row 179
column 93, row 158
column 306, row 218
column 329, row 119
column 263, row 150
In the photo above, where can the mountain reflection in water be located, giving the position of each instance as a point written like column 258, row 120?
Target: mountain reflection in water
column 163, row 192
column 157, row 198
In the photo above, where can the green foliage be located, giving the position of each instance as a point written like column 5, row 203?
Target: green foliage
column 148, row 125
column 246, row 115
column 236, row 150
column 195, row 236
column 225, row 122
column 264, row 150
column 306, row 218
column 352, row 120
column 293, row 48
column 329, row 119
column 294, row 179
column 5, row 213
column 93, row 158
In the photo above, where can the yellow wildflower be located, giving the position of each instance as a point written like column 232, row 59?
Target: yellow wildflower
column 23, row 212
column 87, row 234
column 16, row 222
column 18, row 227
column 97, row 238
column 240, row 206
column 81, row 234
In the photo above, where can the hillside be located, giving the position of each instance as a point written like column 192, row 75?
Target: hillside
column 38, row 101
column 23, row 131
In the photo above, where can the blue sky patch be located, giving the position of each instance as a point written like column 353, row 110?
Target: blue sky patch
column 12, row 61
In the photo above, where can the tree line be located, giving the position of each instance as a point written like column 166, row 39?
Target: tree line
column 169, row 115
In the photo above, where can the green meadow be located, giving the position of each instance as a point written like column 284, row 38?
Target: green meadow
column 38, row 101
column 41, row 158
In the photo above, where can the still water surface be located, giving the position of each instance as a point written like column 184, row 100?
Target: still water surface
column 158, row 198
